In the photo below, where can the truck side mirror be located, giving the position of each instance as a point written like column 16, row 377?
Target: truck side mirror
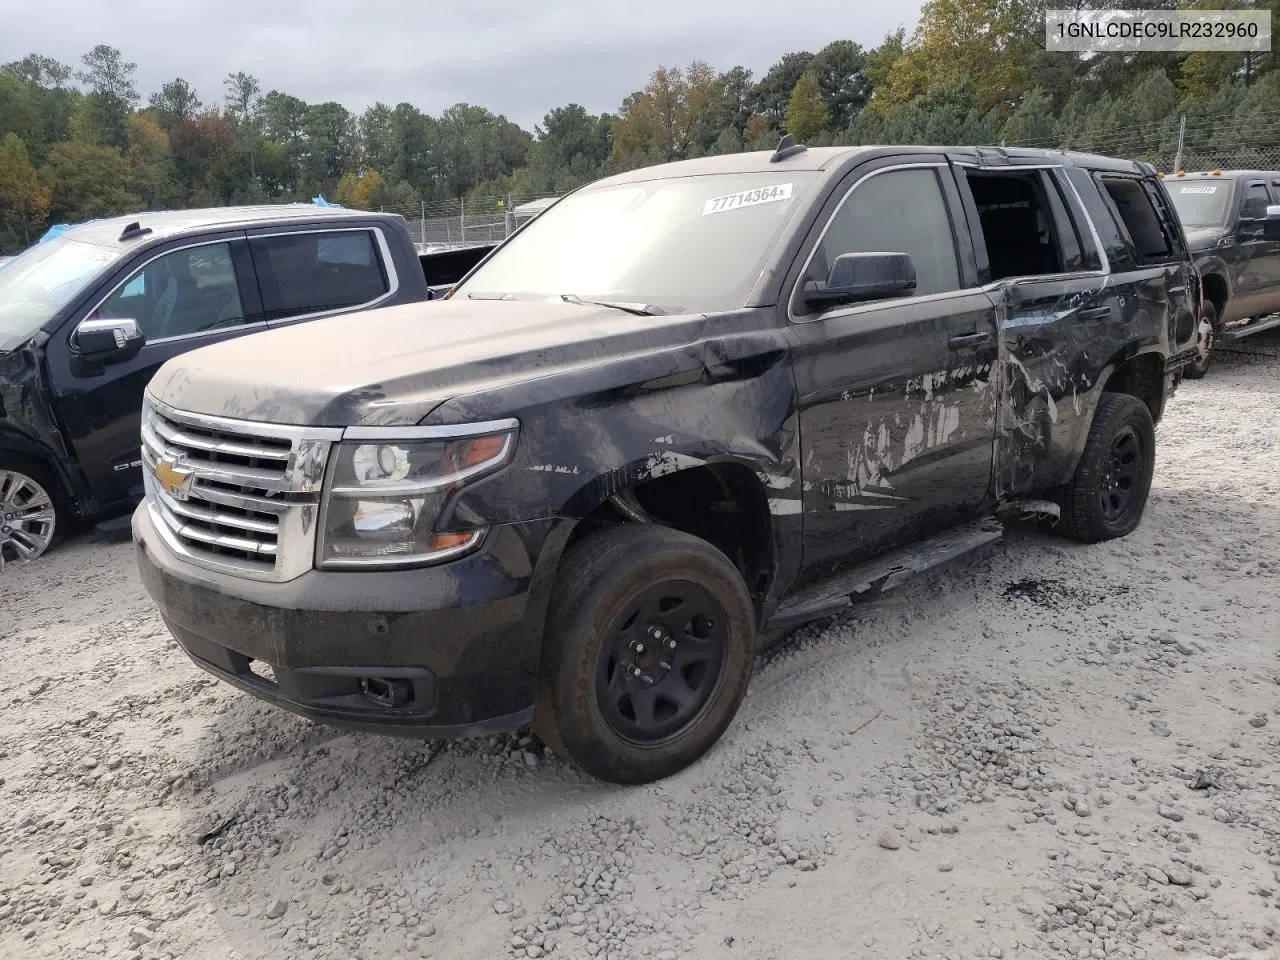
column 859, row 277
column 109, row 341
column 1271, row 225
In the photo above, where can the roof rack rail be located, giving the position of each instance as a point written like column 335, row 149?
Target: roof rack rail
column 787, row 147
column 135, row 229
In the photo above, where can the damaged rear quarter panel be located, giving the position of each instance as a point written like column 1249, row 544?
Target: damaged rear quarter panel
column 1059, row 342
column 602, row 428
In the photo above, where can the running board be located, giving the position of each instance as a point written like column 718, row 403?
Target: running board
column 882, row 574
column 1248, row 329
column 115, row 530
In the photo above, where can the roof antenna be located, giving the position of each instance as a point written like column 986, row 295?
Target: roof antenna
column 787, row 147
column 135, row 229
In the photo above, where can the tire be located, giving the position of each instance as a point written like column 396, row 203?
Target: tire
column 1108, row 494
column 27, row 532
column 612, row 592
column 1195, row 371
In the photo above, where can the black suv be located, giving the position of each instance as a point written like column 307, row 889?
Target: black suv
column 88, row 316
column 1230, row 221
column 686, row 408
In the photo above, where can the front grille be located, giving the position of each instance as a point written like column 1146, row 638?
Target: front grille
column 235, row 495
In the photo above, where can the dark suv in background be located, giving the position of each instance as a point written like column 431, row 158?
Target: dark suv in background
column 1225, row 214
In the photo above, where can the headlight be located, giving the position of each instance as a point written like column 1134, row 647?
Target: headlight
column 385, row 495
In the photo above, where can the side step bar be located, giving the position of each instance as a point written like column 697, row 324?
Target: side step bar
column 1248, row 329
column 882, row 574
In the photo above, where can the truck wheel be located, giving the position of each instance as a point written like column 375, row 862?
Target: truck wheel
column 1108, row 493
column 1209, row 331
column 33, row 514
column 649, row 643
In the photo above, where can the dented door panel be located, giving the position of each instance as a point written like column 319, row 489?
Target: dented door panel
column 897, row 416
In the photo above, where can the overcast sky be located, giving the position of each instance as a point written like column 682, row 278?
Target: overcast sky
column 516, row 58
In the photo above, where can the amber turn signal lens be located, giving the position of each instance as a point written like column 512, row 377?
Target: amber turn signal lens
column 481, row 449
column 448, row 541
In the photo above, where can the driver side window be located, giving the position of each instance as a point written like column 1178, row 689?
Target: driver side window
column 901, row 211
column 181, row 293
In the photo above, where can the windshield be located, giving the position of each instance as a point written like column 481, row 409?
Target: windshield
column 1200, row 203
column 683, row 244
column 38, row 283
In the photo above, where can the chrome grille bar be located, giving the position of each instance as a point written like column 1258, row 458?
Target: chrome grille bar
column 234, row 495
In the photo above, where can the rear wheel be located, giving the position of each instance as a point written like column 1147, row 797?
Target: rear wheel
column 32, row 514
column 1108, row 494
column 1208, row 337
column 649, row 644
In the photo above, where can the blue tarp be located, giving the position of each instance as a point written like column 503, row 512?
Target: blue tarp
column 54, row 231
column 320, row 201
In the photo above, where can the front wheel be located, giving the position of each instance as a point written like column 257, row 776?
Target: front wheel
column 32, row 514
column 1208, row 336
column 1108, row 494
column 649, row 644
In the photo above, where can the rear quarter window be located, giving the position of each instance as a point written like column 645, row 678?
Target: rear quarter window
column 1151, row 239
column 310, row 273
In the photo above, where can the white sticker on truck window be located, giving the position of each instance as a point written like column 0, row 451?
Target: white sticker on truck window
column 1199, row 188
column 748, row 198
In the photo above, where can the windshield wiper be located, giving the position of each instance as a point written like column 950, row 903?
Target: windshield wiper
column 639, row 309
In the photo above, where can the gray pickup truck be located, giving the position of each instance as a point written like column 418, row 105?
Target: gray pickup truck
column 684, row 409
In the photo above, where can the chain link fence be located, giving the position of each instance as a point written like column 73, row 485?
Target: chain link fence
column 457, row 223
column 1188, row 143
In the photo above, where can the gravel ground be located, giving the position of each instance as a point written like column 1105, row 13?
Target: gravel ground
column 1045, row 750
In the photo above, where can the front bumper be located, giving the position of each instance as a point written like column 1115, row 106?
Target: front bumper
column 443, row 651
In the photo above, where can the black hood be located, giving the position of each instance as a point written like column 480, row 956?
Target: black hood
column 395, row 365
column 1205, row 238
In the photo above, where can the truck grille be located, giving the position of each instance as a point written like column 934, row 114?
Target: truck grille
column 234, row 495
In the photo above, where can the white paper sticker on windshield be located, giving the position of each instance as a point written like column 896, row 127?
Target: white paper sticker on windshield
column 1199, row 188
column 748, row 198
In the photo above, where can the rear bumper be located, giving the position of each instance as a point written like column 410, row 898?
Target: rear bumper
column 435, row 652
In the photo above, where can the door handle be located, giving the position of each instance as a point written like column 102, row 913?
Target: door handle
column 966, row 341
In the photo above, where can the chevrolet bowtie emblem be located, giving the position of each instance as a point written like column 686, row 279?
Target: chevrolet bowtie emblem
column 173, row 480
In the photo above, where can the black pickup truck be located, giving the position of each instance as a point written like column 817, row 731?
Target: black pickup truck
column 1229, row 217
column 685, row 409
column 88, row 316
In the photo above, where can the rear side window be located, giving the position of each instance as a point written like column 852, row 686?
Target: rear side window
column 306, row 273
column 1146, row 230
column 1018, row 224
column 901, row 211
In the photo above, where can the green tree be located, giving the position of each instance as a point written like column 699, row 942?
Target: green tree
column 87, row 181
column 177, row 101
column 773, row 92
column 985, row 44
column 112, row 93
column 840, row 67
column 40, row 71
column 24, row 200
column 806, row 111
column 1033, row 122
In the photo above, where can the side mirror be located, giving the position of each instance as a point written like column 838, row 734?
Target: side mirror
column 1271, row 225
column 109, row 341
column 859, row 277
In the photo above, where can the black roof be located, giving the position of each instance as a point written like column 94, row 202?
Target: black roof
column 827, row 158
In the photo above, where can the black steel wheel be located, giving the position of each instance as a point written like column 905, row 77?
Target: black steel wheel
column 647, row 653
column 660, row 662
column 1122, row 477
column 1108, row 494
